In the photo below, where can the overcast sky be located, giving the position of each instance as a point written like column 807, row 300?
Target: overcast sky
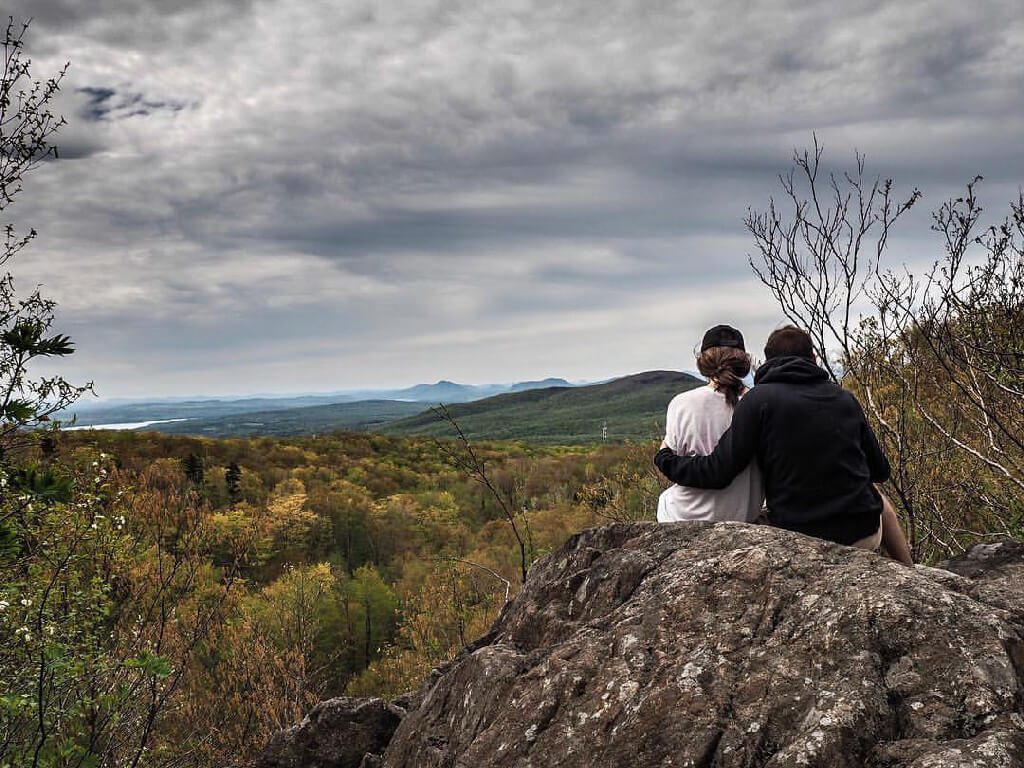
column 309, row 195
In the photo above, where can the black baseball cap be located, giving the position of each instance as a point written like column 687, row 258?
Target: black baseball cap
column 722, row 336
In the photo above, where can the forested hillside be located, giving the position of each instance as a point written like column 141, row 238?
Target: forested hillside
column 632, row 407
column 205, row 593
column 307, row 420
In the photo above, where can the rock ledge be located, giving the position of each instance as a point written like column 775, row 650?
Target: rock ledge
column 729, row 645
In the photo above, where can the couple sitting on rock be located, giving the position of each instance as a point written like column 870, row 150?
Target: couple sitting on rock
column 796, row 441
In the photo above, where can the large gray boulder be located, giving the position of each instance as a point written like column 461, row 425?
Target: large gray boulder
column 996, row 573
column 698, row 644
column 337, row 733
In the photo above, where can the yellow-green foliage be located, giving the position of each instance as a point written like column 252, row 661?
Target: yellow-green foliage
column 202, row 619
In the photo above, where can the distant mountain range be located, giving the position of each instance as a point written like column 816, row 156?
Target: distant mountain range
column 88, row 413
column 631, row 407
column 450, row 392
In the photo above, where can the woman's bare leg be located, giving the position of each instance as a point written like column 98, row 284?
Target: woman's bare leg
column 893, row 540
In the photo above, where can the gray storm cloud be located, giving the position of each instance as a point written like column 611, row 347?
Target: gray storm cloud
column 293, row 196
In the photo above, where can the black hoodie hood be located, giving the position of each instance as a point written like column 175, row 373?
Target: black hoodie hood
column 790, row 370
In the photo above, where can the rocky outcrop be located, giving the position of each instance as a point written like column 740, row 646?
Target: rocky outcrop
column 722, row 645
column 337, row 733
column 996, row 573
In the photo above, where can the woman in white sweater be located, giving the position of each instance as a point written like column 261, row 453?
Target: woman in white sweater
column 696, row 420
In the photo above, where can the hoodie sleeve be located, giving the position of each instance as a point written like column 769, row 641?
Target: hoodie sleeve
column 878, row 464
column 734, row 452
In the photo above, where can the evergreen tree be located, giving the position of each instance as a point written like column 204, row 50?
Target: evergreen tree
column 193, row 466
column 233, row 479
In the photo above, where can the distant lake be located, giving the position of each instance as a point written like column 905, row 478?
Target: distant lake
column 124, row 425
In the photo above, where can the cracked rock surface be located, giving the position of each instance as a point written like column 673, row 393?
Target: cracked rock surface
column 700, row 644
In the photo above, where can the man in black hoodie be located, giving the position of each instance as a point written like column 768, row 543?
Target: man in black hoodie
column 817, row 453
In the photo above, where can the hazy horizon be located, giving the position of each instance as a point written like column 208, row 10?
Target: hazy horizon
column 143, row 397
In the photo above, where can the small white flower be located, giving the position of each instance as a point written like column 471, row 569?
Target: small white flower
column 4, row 605
column 50, row 630
column 26, row 602
column 95, row 463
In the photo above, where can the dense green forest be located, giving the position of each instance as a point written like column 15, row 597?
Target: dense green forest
column 207, row 592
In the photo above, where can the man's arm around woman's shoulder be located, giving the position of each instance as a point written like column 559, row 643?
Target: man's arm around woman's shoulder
column 734, row 452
